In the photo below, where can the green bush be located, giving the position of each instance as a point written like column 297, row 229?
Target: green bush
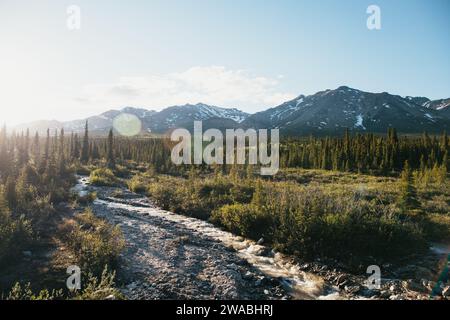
column 24, row 292
column 136, row 185
column 96, row 288
column 94, row 242
column 15, row 232
column 245, row 219
column 103, row 177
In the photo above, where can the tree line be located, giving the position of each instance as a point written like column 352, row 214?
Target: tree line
column 367, row 153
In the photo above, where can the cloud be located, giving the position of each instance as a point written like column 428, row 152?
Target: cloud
column 214, row 85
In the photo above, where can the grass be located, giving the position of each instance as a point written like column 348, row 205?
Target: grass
column 313, row 213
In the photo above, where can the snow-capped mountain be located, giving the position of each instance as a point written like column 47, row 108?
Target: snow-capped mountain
column 152, row 121
column 326, row 112
column 331, row 111
column 185, row 115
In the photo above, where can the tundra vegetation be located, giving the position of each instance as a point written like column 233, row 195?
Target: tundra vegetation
column 356, row 199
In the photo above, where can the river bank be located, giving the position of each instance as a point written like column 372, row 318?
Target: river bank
column 170, row 256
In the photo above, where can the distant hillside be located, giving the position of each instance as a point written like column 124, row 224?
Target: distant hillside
column 326, row 112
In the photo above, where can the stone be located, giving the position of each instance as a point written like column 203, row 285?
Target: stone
column 412, row 285
column 260, row 241
column 446, row 292
column 352, row 289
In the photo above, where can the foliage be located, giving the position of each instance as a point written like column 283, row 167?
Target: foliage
column 103, row 177
column 94, row 242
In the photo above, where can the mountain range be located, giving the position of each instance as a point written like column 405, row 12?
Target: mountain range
column 326, row 112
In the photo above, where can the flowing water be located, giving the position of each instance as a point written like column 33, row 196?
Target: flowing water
column 297, row 283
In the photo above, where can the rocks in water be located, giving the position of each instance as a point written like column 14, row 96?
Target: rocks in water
column 260, row 241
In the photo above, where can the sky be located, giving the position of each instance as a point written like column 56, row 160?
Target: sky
column 248, row 54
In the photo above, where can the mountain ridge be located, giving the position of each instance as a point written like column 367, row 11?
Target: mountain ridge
column 325, row 112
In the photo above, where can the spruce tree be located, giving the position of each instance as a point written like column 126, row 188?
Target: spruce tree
column 111, row 162
column 62, row 158
column 408, row 195
column 10, row 193
column 85, row 148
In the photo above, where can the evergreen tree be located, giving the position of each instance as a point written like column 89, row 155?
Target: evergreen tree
column 10, row 193
column 85, row 148
column 111, row 162
column 408, row 194
column 62, row 158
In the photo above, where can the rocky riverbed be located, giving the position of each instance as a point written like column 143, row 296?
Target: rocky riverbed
column 169, row 256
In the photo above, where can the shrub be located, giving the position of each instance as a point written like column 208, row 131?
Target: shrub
column 121, row 171
column 136, row 185
column 246, row 220
column 24, row 292
column 15, row 233
column 103, row 177
column 94, row 242
column 96, row 288
column 99, row 288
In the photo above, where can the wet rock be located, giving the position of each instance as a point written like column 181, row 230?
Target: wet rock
column 352, row 289
column 446, row 292
column 260, row 241
column 413, row 285
column 232, row 266
column 111, row 297
column 341, row 279
column 397, row 297
column 234, row 275
column 369, row 293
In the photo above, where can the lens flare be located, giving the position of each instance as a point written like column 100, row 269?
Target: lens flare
column 127, row 124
